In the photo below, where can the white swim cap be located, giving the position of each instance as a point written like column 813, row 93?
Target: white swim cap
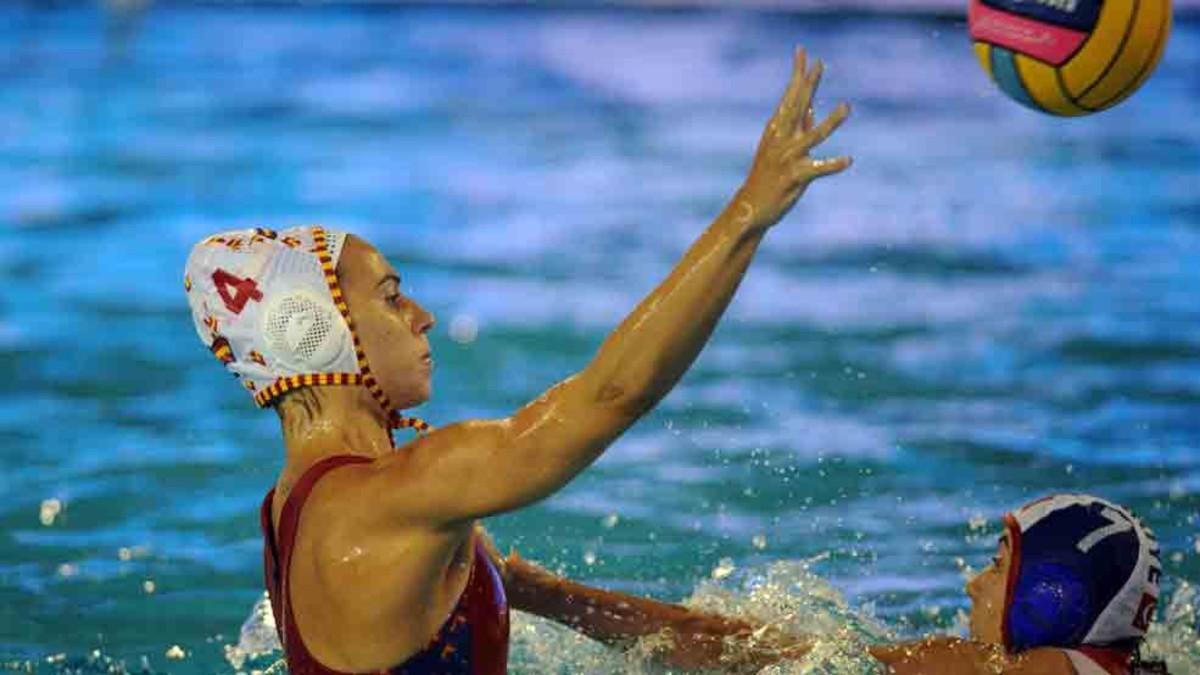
column 269, row 307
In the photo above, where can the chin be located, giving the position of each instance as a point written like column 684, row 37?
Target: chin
column 414, row 397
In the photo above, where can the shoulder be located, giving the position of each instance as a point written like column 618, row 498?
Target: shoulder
column 325, row 499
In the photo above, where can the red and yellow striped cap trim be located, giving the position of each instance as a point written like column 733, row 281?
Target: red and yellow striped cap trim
column 221, row 349
column 283, row 385
column 335, row 290
column 415, row 423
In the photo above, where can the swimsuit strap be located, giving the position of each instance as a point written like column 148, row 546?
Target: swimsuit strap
column 300, row 661
column 488, row 614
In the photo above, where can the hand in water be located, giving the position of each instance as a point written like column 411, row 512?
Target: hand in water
column 782, row 167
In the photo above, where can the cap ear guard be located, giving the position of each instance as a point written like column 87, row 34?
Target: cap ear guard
column 304, row 332
column 1051, row 606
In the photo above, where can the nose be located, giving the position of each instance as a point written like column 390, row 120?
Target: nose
column 422, row 320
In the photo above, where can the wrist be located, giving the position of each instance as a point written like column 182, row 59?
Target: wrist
column 744, row 213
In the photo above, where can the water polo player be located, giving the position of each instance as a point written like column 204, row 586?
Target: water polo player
column 1071, row 591
column 372, row 558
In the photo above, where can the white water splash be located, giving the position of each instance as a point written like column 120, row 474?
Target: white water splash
column 1173, row 638
column 786, row 596
column 258, row 649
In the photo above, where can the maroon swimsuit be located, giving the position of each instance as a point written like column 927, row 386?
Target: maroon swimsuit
column 473, row 641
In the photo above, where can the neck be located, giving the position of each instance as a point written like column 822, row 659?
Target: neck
column 319, row 422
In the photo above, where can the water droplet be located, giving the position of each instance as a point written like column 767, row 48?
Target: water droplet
column 724, row 568
column 759, row 541
column 49, row 511
column 176, row 653
column 68, row 570
column 464, row 329
column 610, row 521
column 589, row 557
column 148, row 586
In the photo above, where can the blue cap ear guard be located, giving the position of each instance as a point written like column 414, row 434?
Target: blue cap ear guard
column 1050, row 606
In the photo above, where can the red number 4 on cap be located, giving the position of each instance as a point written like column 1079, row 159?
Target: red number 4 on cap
column 244, row 290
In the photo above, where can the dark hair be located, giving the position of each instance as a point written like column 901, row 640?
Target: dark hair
column 298, row 406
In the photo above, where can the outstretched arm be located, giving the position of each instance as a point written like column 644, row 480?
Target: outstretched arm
column 698, row 640
column 482, row 467
column 691, row 639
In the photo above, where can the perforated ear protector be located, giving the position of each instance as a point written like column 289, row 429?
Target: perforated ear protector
column 304, row 331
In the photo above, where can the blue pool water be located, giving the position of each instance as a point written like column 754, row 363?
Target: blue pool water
column 991, row 305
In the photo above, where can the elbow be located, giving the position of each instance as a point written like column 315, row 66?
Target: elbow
column 629, row 403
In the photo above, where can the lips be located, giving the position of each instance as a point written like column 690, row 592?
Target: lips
column 427, row 359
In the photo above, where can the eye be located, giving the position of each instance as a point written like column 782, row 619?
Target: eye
column 394, row 299
column 996, row 561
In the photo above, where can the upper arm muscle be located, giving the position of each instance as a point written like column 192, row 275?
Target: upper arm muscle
column 482, row 467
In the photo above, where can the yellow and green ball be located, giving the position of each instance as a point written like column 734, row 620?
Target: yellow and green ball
column 1069, row 57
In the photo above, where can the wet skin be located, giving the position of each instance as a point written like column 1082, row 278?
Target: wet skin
column 382, row 550
column 986, row 591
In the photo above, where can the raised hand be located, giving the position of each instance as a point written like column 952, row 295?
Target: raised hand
column 782, row 167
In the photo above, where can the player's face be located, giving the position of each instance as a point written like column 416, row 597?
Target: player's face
column 986, row 591
column 392, row 327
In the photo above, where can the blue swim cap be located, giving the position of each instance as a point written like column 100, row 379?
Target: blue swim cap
column 1084, row 571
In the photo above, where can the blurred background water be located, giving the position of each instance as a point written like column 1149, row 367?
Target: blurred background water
column 991, row 305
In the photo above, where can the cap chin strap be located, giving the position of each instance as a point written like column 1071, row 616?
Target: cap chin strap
column 417, row 424
column 365, row 376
